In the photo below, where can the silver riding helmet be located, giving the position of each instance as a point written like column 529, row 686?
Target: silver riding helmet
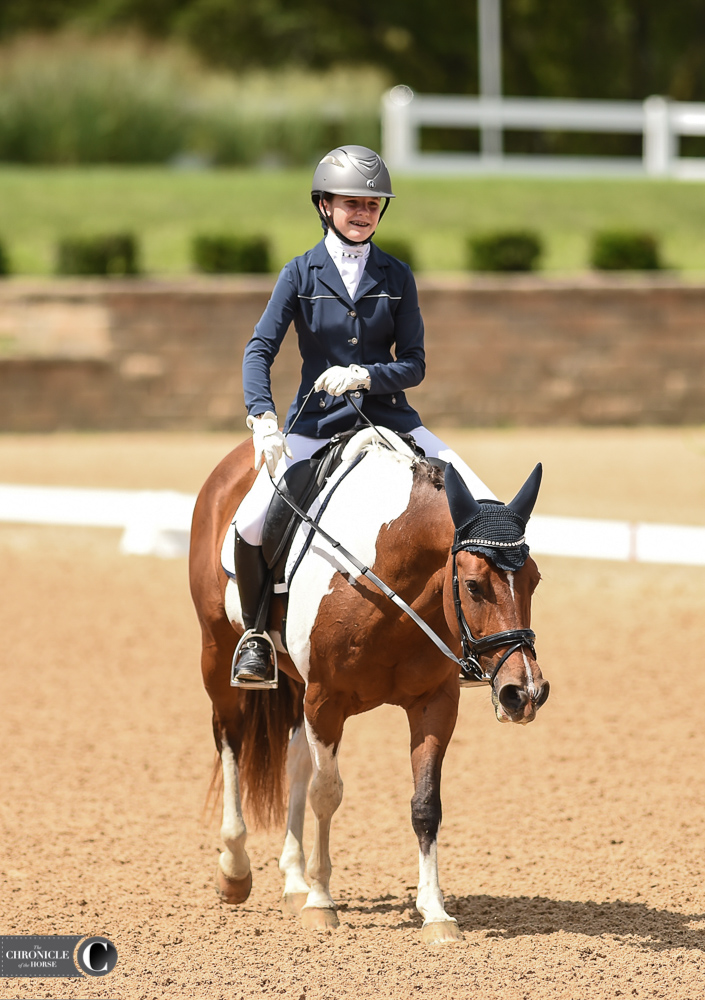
column 355, row 171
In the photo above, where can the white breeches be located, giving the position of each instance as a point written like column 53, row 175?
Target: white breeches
column 252, row 512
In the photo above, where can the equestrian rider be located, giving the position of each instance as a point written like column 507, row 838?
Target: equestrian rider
column 350, row 303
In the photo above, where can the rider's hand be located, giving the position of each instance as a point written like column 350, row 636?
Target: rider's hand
column 269, row 442
column 337, row 380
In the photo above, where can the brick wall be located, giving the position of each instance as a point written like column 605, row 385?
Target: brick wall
column 516, row 350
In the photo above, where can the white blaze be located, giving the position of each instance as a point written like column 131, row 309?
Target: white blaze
column 530, row 686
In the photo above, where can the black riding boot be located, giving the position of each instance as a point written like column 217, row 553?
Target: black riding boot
column 254, row 663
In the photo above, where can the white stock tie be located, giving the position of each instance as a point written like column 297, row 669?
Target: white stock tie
column 349, row 260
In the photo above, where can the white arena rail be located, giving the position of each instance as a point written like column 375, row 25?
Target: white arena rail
column 158, row 522
column 154, row 522
column 659, row 121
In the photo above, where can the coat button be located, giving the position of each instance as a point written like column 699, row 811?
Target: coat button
column 322, row 403
column 352, row 313
column 394, row 399
column 353, row 340
column 356, row 395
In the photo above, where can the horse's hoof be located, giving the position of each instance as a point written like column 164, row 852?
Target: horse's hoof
column 315, row 918
column 232, row 890
column 441, row 932
column 293, row 903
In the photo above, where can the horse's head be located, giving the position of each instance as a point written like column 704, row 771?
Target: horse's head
column 490, row 578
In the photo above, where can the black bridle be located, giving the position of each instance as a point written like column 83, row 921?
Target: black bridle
column 514, row 638
column 471, row 669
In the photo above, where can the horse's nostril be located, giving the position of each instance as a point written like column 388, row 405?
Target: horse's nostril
column 543, row 694
column 512, row 698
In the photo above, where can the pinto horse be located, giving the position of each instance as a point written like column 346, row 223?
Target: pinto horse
column 348, row 649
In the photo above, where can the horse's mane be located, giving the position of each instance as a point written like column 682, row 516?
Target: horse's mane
column 426, row 471
column 402, row 451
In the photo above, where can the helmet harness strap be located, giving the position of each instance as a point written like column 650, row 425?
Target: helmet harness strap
column 327, row 220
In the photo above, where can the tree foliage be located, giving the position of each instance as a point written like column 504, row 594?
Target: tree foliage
column 624, row 49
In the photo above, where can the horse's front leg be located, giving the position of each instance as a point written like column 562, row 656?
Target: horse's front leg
column 325, row 795
column 292, row 862
column 431, row 724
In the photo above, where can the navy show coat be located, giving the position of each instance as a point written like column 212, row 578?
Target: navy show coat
column 334, row 329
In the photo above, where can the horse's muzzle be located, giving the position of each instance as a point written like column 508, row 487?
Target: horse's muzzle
column 514, row 703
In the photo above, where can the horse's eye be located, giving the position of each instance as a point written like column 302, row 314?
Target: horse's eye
column 473, row 586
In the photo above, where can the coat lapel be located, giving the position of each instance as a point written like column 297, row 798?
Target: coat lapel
column 372, row 276
column 328, row 273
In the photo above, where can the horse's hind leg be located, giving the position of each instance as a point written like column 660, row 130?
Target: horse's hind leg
column 292, row 863
column 233, row 875
column 325, row 795
column 431, row 728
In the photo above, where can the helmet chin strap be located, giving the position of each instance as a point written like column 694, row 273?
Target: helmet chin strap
column 327, row 223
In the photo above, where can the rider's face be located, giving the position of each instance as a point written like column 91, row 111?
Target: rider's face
column 355, row 218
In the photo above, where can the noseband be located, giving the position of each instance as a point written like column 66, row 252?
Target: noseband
column 514, row 638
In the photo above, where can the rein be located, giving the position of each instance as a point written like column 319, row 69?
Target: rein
column 470, row 667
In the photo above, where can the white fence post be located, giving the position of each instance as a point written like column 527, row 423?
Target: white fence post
column 399, row 137
column 659, row 137
column 490, row 50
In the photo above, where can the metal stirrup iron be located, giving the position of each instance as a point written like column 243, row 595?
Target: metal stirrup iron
column 249, row 685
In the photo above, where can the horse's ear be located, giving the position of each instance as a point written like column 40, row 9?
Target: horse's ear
column 523, row 502
column 462, row 503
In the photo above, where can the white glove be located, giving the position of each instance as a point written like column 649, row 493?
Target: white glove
column 337, row 380
column 269, row 442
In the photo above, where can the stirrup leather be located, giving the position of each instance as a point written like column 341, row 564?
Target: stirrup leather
column 254, row 685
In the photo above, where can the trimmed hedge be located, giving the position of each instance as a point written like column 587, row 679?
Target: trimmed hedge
column 225, row 253
column 509, row 250
column 399, row 248
column 110, row 254
column 625, row 250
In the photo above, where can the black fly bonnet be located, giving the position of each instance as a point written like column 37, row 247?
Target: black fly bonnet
column 491, row 528
column 495, row 530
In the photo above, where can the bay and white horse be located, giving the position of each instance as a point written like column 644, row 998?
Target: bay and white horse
column 350, row 649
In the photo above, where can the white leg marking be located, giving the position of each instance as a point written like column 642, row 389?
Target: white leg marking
column 234, row 860
column 530, row 685
column 325, row 795
column 292, row 862
column 429, row 901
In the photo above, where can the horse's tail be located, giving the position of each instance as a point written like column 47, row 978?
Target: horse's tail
column 266, row 719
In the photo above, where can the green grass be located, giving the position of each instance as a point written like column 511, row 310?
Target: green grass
column 435, row 215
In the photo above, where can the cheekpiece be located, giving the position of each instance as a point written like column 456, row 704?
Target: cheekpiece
column 497, row 532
